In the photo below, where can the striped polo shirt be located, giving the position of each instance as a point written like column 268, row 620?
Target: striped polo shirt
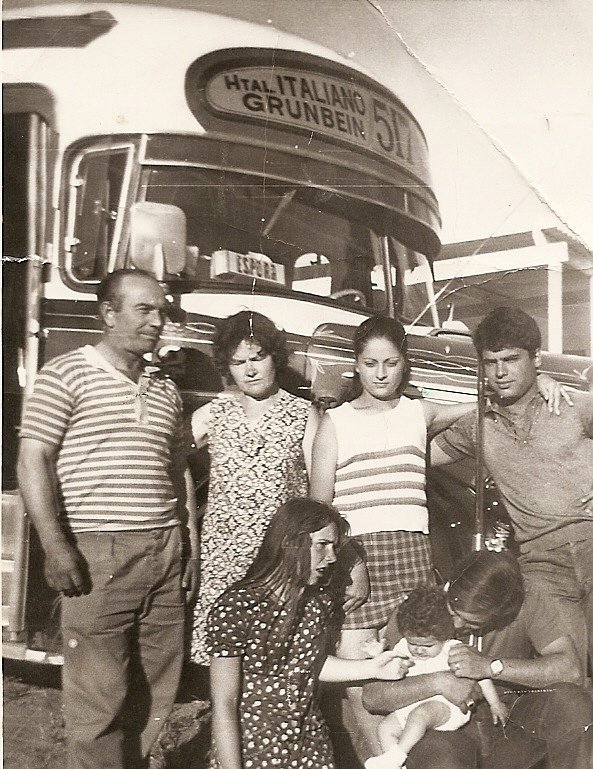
column 380, row 473
column 115, row 440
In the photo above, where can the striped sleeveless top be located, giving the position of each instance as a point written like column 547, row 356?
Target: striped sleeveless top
column 381, row 467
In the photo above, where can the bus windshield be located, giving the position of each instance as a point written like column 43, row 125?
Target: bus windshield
column 239, row 226
column 291, row 238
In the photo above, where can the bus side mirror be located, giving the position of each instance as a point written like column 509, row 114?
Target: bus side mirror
column 158, row 238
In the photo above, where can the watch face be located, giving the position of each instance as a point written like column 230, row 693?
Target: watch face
column 496, row 667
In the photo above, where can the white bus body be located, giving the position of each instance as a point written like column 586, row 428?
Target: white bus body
column 244, row 167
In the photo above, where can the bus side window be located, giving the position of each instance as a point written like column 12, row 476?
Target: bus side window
column 378, row 287
column 192, row 370
column 98, row 185
column 312, row 275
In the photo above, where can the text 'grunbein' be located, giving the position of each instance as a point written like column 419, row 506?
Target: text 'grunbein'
column 303, row 99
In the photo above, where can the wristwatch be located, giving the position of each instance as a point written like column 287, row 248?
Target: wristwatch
column 496, row 668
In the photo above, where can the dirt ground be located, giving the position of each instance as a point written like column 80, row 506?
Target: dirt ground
column 33, row 730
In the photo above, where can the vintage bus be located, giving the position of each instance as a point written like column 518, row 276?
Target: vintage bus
column 245, row 168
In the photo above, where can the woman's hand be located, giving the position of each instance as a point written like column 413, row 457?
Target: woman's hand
column 200, row 424
column 389, row 666
column 359, row 589
column 372, row 647
column 350, row 579
column 553, row 392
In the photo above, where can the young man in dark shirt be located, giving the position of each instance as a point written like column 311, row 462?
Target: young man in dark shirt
column 542, row 464
column 527, row 651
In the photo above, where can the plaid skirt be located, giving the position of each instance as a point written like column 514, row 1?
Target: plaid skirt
column 397, row 562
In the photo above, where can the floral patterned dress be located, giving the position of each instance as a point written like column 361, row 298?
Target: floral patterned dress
column 255, row 467
column 280, row 721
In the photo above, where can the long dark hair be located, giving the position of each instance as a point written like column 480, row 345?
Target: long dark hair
column 490, row 585
column 282, row 565
column 381, row 327
column 284, row 556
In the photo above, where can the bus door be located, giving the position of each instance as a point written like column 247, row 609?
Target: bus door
column 27, row 127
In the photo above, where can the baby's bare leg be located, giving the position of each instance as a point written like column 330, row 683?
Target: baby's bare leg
column 389, row 731
column 426, row 716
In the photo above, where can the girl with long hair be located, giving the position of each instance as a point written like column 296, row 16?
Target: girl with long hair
column 268, row 643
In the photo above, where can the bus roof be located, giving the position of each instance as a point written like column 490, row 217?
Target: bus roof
column 134, row 46
column 116, row 68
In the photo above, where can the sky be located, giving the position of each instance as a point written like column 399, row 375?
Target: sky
column 523, row 70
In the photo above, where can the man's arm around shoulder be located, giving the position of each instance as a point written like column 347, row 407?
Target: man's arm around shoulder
column 455, row 443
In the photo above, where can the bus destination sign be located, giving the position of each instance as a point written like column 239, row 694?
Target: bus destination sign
column 336, row 107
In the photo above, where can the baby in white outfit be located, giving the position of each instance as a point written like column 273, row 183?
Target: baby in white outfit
column 425, row 621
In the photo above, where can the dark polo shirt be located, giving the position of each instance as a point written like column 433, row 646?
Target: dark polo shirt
column 542, row 466
column 538, row 625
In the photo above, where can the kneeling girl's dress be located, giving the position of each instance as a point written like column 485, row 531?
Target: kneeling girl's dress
column 281, row 724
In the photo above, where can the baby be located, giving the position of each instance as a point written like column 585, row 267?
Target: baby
column 426, row 625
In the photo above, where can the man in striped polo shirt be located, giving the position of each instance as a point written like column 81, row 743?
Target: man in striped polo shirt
column 102, row 472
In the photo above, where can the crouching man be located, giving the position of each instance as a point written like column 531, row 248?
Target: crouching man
column 528, row 655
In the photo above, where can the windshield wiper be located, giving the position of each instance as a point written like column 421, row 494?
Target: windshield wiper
column 285, row 200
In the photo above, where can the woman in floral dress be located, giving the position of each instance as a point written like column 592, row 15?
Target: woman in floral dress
column 259, row 437
column 268, row 638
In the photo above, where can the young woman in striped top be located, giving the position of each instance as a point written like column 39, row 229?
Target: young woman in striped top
column 369, row 460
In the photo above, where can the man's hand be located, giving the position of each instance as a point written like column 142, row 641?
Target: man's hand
column 65, row 570
column 500, row 713
column 467, row 662
column 190, row 581
column 459, row 691
column 553, row 392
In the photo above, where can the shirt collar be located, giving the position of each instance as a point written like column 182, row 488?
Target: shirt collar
column 505, row 411
column 95, row 359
